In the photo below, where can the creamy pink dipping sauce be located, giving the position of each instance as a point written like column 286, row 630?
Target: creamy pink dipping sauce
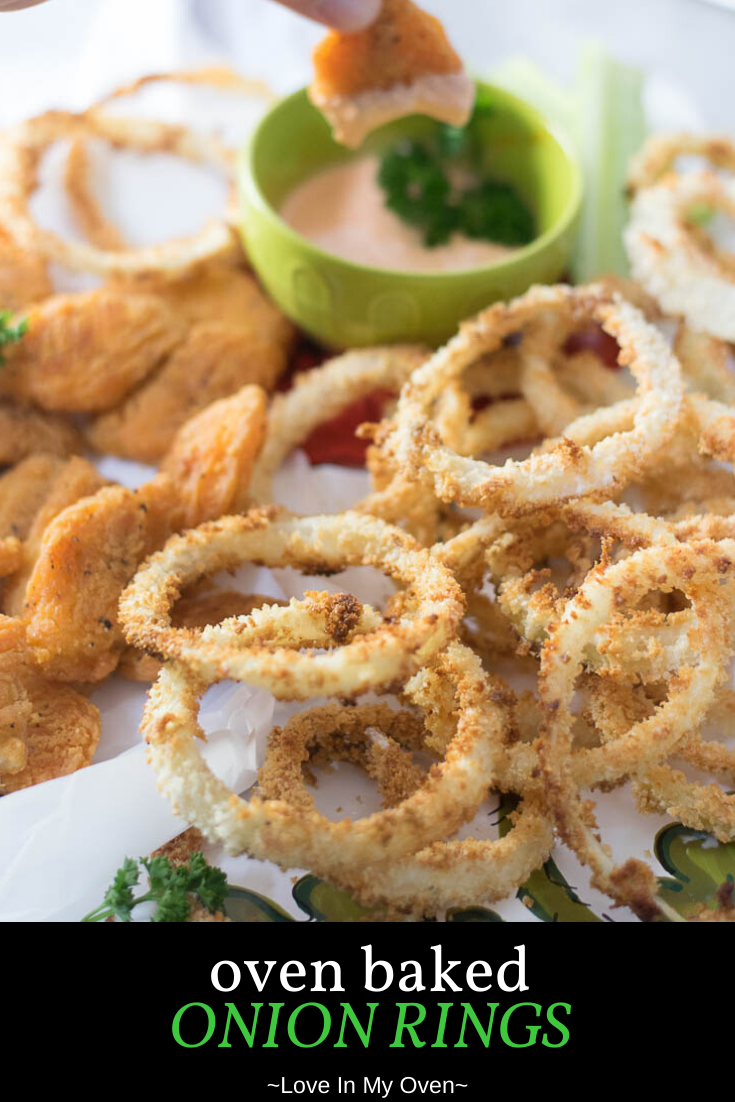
column 342, row 210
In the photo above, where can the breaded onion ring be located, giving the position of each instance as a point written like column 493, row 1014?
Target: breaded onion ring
column 446, row 874
column 323, row 393
column 290, row 836
column 272, row 537
column 567, row 470
column 678, row 265
column 20, row 152
column 696, row 569
column 96, row 227
column 658, row 156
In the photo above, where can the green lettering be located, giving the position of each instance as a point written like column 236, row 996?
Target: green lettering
column 410, row 1026
column 552, row 1019
column 485, row 1034
column 275, row 1011
column 176, row 1027
column 248, row 1034
column 348, row 1012
column 445, row 1008
column 326, row 1019
column 532, row 1029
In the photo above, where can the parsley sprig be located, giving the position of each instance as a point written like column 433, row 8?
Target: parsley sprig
column 171, row 889
column 10, row 334
column 418, row 188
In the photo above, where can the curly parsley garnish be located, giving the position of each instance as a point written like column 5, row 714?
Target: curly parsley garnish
column 171, row 889
column 10, row 334
column 415, row 177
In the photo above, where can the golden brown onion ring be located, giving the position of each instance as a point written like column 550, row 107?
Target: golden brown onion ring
column 391, row 652
column 696, row 569
column 568, row 470
column 292, row 836
column 20, row 153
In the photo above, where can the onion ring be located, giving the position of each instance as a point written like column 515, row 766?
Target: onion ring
column 20, row 152
column 670, row 260
column 96, row 226
column 568, row 470
column 444, row 875
column 323, row 544
column 693, row 568
column 291, row 836
column 658, row 156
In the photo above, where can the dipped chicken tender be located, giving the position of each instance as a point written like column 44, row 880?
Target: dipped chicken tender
column 214, row 361
column 83, row 353
column 402, row 64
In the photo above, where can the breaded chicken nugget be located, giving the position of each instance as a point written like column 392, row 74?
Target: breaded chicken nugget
column 15, row 704
column 91, row 550
column 46, row 730
column 211, row 460
column 24, row 431
column 215, row 360
column 23, row 275
column 72, row 480
column 229, row 295
column 23, row 490
column 402, row 64
column 85, row 352
column 62, row 734
column 11, row 555
column 87, row 555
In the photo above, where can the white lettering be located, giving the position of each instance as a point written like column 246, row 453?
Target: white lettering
column 520, row 964
column 235, row 976
column 370, row 967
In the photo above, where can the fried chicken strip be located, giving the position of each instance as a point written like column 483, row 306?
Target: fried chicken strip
column 71, row 480
column 23, row 275
column 24, row 431
column 236, row 337
column 92, row 549
column 46, row 730
column 83, row 353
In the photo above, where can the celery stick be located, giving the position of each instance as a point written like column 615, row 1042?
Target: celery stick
column 611, row 128
column 556, row 104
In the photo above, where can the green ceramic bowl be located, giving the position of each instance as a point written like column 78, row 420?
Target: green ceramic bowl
column 342, row 304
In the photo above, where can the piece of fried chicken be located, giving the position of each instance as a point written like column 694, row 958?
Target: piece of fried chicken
column 92, row 549
column 402, row 64
column 236, row 336
column 25, row 431
column 23, row 275
column 47, row 730
column 83, row 353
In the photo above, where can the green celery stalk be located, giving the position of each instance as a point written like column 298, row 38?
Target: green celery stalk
column 610, row 130
column 604, row 115
column 521, row 77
